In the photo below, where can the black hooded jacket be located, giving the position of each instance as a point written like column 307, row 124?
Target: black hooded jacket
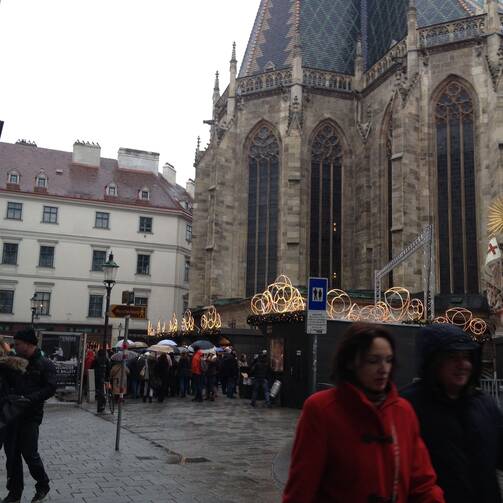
column 464, row 436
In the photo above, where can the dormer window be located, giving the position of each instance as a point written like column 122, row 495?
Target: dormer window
column 41, row 181
column 14, row 178
column 111, row 190
column 144, row 194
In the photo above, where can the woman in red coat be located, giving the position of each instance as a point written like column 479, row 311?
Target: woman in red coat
column 359, row 442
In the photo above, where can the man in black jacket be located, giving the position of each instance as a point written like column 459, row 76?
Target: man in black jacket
column 260, row 372
column 461, row 426
column 36, row 385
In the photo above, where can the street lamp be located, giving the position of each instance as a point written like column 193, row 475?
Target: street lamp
column 34, row 309
column 110, row 271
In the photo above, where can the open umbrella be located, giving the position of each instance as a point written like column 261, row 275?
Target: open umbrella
column 121, row 342
column 202, row 344
column 138, row 345
column 183, row 349
column 166, row 342
column 161, row 349
column 119, row 356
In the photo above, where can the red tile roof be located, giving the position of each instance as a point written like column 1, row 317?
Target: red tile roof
column 69, row 180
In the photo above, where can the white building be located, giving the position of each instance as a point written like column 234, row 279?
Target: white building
column 62, row 213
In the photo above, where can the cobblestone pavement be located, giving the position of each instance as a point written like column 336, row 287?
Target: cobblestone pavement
column 175, row 452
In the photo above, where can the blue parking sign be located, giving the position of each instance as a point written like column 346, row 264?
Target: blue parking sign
column 317, row 294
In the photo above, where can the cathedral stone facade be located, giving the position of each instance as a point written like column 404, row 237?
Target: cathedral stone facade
column 351, row 125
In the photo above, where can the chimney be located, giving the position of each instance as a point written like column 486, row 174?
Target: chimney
column 169, row 173
column 138, row 160
column 86, row 153
column 190, row 187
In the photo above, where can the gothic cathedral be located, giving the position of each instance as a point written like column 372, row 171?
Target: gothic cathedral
column 350, row 126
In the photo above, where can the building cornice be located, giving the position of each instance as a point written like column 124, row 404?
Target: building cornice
column 97, row 203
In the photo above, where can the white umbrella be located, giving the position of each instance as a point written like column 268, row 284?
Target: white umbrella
column 161, row 349
column 166, row 342
column 121, row 342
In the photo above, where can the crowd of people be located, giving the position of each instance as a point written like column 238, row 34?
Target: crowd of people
column 203, row 375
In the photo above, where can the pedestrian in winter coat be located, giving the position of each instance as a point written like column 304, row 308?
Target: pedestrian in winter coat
column 260, row 371
column 197, row 377
column 161, row 373
column 184, row 374
column 135, row 365
column 35, row 385
column 461, row 426
column 101, row 366
column 211, row 376
column 230, row 373
column 359, row 442
column 10, row 368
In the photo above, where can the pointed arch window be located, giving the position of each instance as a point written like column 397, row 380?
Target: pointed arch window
column 326, row 205
column 457, row 225
column 263, row 194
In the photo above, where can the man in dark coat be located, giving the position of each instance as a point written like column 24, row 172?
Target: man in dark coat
column 101, row 366
column 461, row 426
column 260, row 372
column 36, row 385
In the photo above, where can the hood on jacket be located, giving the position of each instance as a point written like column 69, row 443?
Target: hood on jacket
column 14, row 363
column 444, row 338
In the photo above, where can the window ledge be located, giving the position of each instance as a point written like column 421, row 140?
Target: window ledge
column 145, row 232
column 102, row 228
column 143, row 275
column 52, row 223
column 15, row 219
column 94, row 317
column 52, row 268
column 12, row 266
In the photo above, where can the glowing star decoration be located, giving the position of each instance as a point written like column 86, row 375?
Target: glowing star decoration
column 280, row 297
column 495, row 217
column 187, row 322
column 173, row 325
column 211, row 320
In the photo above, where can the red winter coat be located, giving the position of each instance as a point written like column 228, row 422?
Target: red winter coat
column 344, row 451
column 196, row 363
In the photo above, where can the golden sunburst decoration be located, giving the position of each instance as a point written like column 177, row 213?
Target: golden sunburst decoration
column 495, row 217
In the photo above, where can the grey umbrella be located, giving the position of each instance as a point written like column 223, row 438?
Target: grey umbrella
column 119, row 356
column 202, row 344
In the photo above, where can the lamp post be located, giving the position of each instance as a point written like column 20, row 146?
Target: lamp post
column 34, row 309
column 110, row 271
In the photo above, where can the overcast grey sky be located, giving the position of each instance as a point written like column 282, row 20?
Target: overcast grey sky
column 123, row 73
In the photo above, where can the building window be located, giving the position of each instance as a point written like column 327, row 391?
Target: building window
column 143, row 264
column 102, row 220
column 141, row 301
column 46, row 258
column 145, row 224
column 99, row 258
column 144, row 194
column 186, row 269
column 6, row 301
column 50, row 215
column 41, row 181
column 112, row 190
column 9, row 255
column 326, row 205
column 389, row 190
column 188, row 233
column 263, row 192
column 14, row 211
column 44, row 303
column 14, row 178
column 95, row 306
column 457, row 224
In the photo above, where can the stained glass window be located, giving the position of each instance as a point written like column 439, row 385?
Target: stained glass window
column 263, row 199
column 457, row 228
column 326, row 206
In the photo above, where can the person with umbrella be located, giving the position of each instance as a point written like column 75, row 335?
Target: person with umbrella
column 184, row 373
column 197, row 377
column 118, row 377
column 161, row 372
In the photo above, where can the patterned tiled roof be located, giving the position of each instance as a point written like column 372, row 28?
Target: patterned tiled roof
column 74, row 181
column 329, row 28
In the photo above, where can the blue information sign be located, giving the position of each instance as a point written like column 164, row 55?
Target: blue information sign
column 317, row 294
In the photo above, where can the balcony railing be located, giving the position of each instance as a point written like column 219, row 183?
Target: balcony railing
column 328, row 80
column 264, row 82
column 399, row 50
column 454, row 31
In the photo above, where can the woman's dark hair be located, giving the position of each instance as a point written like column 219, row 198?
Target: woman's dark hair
column 357, row 341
